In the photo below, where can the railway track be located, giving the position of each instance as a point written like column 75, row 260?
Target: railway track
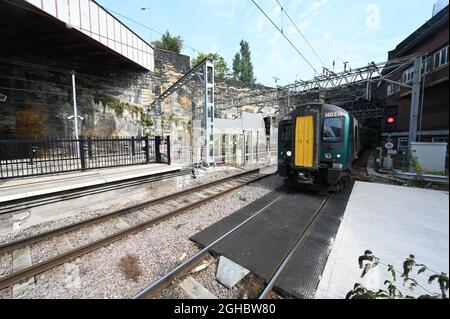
column 20, row 205
column 165, row 207
column 266, row 294
column 170, row 278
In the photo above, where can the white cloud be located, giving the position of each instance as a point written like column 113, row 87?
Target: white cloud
column 373, row 19
column 315, row 5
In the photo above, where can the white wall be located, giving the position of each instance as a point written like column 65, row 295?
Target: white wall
column 247, row 122
column 431, row 156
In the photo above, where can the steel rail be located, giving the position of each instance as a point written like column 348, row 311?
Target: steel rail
column 56, row 232
column 300, row 240
column 165, row 281
column 75, row 253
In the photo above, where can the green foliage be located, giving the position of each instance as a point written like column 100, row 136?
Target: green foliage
column 442, row 280
column 414, row 162
column 237, row 66
column 169, row 43
column 392, row 271
column 242, row 64
column 435, row 173
column 147, row 125
column 368, row 261
column 359, row 292
column 220, row 66
column 117, row 105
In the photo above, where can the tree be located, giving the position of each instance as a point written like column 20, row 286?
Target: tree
column 242, row 64
column 220, row 66
column 169, row 43
column 237, row 66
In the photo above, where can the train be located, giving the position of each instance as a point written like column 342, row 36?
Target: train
column 318, row 144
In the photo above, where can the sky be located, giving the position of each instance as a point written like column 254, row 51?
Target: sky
column 354, row 31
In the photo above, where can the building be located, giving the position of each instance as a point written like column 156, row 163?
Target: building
column 439, row 5
column 432, row 39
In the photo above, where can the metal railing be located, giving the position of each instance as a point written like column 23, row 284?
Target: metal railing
column 25, row 158
column 187, row 156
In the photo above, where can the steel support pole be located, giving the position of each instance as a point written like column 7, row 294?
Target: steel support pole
column 421, row 106
column 209, row 112
column 75, row 112
column 415, row 100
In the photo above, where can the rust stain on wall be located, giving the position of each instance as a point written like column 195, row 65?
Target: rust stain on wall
column 29, row 122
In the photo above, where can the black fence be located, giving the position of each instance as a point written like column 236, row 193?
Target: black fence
column 24, row 158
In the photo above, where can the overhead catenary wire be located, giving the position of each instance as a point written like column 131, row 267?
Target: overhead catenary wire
column 283, row 9
column 284, row 35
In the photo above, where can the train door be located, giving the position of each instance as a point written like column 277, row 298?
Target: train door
column 304, row 141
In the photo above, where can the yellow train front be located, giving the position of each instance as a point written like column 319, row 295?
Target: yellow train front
column 317, row 145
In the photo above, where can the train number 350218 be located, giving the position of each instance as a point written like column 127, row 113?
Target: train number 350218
column 333, row 114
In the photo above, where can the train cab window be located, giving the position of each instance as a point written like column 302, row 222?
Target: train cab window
column 333, row 129
column 286, row 132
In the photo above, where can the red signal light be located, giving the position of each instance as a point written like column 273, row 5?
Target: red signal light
column 391, row 120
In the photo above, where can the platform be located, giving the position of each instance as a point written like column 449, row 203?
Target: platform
column 20, row 189
column 393, row 222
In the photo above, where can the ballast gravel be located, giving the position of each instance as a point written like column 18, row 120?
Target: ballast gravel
column 163, row 188
column 97, row 275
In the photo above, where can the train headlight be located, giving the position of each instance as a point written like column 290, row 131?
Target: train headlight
column 328, row 156
column 339, row 156
column 288, row 153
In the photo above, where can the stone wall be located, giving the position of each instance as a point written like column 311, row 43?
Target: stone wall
column 112, row 99
column 183, row 110
column 40, row 101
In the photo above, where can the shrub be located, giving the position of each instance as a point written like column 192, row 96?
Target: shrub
column 129, row 265
column 368, row 261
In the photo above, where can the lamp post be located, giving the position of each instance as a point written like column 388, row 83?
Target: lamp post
column 150, row 21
